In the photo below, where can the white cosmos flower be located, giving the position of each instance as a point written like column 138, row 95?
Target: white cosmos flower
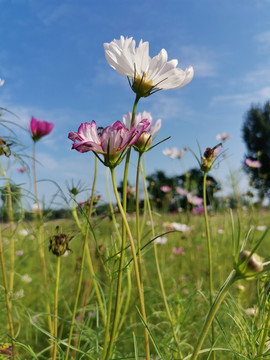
column 174, row 153
column 223, row 137
column 161, row 240
column 147, row 74
column 151, row 129
column 2, row 82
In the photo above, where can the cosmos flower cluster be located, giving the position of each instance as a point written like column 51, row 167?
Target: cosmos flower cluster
column 146, row 75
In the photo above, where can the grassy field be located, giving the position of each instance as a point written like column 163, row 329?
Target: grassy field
column 185, row 272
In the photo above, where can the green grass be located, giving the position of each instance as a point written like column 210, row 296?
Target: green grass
column 185, row 279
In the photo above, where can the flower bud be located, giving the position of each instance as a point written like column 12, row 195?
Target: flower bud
column 208, row 158
column 4, row 148
column 59, row 244
column 144, row 141
column 253, row 266
column 74, row 191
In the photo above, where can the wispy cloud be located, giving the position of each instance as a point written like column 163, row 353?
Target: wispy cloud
column 243, row 99
column 202, row 59
column 258, row 77
column 263, row 40
column 168, row 107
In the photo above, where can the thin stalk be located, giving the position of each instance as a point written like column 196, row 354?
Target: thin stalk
column 264, row 335
column 108, row 320
column 127, row 301
column 209, row 248
column 8, row 303
column 123, row 245
column 74, row 213
column 92, row 273
column 41, row 242
column 85, row 251
column 111, row 207
column 138, row 217
column 212, row 312
column 161, row 284
column 35, row 181
column 55, row 321
column 136, row 268
column 11, row 221
column 44, row 273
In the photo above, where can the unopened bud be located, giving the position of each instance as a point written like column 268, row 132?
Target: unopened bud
column 74, row 191
column 144, row 141
column 254, row 264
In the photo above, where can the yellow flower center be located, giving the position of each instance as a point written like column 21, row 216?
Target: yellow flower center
column 142, row 87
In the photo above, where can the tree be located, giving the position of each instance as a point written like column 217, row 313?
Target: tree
column 256, row 134
column 192, row 181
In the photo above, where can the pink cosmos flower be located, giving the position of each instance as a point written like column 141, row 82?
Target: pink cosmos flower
column 194, row 200
column 256, row 164
column 165, row 188
column 198, row 210
column 181, row 191
column 40, row 128
column 22, row 170
column 111, row 143
column 179, row 250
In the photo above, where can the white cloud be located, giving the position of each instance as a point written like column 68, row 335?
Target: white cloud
column 243, row 99
column 258, row 77
column 203, row 60
column 167, row 107
column 263, row 40
column 46, row 161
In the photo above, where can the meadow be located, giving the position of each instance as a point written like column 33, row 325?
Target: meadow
column 185, row 272
column 146, row 283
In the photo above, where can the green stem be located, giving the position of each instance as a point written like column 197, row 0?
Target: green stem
column 35, row 181
column 11, row 221
column 212, row 312
column 41, row 242
column 111, row 207
column 161, row 284
column 85, row 251
column 264, row 335
column 127, row 301
column 108, row 320
column 138, row 217
column 92, row 273
column 74, row 213
column 136, row 268
column 44, row 273
column 8, row 303
column 209, row 248
column 123, row 245
column 55, row 322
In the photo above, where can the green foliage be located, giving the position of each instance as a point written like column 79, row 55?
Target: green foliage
column 191, row 181
column 185, row 278
column 256, row 134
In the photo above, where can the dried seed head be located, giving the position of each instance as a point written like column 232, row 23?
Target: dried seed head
column 59, row 244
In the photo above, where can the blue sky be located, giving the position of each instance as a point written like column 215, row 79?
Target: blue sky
column 53, row 63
